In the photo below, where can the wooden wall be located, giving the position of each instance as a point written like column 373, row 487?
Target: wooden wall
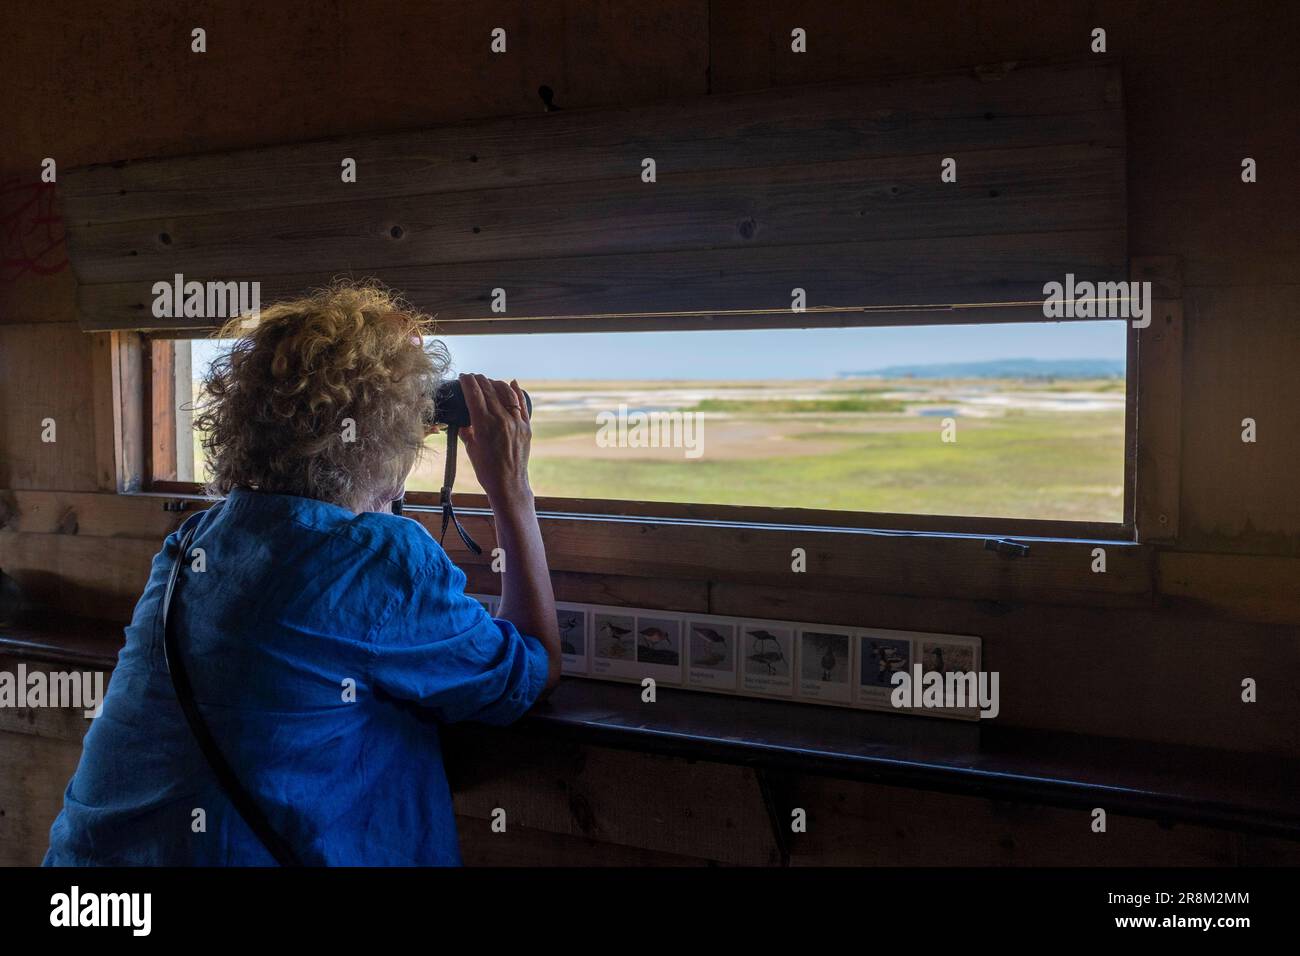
column 1206, row 84
column 825, row 187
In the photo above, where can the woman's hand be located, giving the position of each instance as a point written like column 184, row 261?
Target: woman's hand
column 497, row 445
column 499, row 439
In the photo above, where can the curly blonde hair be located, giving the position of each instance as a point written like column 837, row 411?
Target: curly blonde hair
column 324, row 397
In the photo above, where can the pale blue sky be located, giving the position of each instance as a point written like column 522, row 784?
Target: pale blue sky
column 765, row 354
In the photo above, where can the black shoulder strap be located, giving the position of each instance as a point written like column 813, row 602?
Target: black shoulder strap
column 241, row 798
column 449, row 479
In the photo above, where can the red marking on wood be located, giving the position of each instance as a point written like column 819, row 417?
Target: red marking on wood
column 32, row 237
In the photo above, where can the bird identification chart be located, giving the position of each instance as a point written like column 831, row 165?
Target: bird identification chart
column 870, row 668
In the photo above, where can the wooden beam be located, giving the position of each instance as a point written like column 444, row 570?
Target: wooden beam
column 1159, row 423
column 1165, row 273
column 95, row 515
column 103, row 403
column 130, row 403
column 833, row 190
column 921, row 565
column 994, row 526
column 692, row 287
column 162, row 410
column 1054, row 571
column 669, row 594
column 899, row 116
column 1078, row 186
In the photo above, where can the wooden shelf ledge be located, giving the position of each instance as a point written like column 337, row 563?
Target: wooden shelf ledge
column 1245, row 792
column 47, row 637
column 1237, row 791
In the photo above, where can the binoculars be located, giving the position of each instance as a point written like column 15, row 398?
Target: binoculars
column 449, row 406
column 450, row 410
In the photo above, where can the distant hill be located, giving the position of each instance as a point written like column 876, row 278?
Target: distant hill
column 1002, row 368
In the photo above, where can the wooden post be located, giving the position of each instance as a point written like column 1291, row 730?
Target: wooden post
column 1158, row 452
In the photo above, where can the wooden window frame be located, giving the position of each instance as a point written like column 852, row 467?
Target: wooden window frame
column 159, row 414
column 698, row 563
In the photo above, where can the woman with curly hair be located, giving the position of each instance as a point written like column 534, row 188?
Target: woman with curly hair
column 324, row 639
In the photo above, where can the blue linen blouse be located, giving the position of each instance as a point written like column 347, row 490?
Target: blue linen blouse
column 325, row 649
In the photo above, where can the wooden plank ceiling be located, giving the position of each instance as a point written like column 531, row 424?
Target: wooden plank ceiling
column 835, row 190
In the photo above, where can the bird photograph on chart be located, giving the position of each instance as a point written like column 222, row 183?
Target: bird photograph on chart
column 768, row 653
column 824, row 665
column 615, row 637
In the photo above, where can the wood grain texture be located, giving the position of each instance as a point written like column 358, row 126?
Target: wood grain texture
column 55, row 639
column 711, row 811
column 918, row 565
column 1159, row 422
column 299, row 75
column 936, row 566
column 669, row 594
column 95, row 515
column 161, row 412
column 821, row 189
column 1078, row 186
column 855, row 824
column 990, row 269
column 1241, row 358
column 103, row 360
column 779, row 515
column 45, row 374
column 31, row 793
column 1242, row 587
column 525, row 846
column 90, row 577
column 897, row 116
column 55, row 723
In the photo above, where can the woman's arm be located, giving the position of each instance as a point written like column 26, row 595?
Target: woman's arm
column 497, row 445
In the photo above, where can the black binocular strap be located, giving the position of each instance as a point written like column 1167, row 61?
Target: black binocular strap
column 449, row 479
column 243, row 801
